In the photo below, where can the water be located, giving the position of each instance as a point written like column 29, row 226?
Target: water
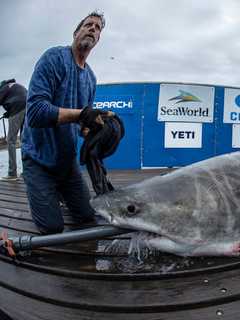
column 4, row 162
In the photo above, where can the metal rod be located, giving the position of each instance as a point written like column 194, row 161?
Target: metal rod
column 25, row 243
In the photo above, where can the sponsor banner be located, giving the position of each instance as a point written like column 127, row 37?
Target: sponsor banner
column 122, row 104
column 231, row 106
column 183, row 135
column 236, row 136
column 186, row 103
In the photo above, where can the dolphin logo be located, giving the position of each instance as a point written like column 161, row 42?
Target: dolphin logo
column 237, row 100
column 185, row 97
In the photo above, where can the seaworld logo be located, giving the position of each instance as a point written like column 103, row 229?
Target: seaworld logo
column 185, row 97
column 184, row 111
column 113, row 104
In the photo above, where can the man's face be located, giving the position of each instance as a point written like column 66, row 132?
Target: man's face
column 89, row 33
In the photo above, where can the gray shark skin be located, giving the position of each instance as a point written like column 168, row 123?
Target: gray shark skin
column 192, row 211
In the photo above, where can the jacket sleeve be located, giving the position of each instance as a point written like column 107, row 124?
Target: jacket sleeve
column 40, row 111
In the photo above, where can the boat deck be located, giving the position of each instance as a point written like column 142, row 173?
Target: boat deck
column 99, row 280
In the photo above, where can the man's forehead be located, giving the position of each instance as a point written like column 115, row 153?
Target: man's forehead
column 92, row 19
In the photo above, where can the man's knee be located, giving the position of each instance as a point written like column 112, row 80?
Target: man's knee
column 47, row 219
column 48, row 223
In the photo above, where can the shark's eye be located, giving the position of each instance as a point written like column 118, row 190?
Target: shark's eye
column 131, row 210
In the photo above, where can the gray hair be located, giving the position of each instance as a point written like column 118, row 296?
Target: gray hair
column 92, row 14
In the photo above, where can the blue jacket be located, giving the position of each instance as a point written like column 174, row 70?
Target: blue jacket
column 57, row 81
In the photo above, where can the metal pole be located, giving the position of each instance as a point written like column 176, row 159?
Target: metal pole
column 24, row 243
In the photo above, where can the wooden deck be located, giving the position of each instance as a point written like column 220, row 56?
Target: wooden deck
column 97, row 280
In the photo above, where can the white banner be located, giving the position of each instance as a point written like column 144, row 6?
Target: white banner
column 231, row 106
column 186, row 103
column 183, row 135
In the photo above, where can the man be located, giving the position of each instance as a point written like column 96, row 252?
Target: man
column 13, row 99
column 61, row 86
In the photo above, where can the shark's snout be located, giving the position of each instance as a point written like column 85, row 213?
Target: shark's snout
column 101, row 206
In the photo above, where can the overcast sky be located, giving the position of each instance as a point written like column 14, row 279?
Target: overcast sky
column 144, row 40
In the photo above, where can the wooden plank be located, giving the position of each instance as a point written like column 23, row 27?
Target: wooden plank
column 14, row 205
column 86, row 281
column 119, row 295
column 28, row 308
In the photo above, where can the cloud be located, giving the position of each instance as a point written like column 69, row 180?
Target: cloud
column 148, row 40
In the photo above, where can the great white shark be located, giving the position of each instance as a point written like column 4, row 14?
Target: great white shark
column 192, row 211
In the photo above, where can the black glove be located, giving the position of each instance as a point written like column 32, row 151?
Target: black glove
column 88, row 116
column 6, row 115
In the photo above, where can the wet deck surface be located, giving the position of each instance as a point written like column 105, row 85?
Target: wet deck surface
column 115, row 285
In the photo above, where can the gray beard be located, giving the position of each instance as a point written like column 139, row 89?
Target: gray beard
column 84, row 45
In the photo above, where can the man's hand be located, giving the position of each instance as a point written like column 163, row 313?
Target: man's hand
column 89, row 117
column 99, row 118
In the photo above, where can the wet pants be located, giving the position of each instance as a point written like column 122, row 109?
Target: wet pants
column 44, row 188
